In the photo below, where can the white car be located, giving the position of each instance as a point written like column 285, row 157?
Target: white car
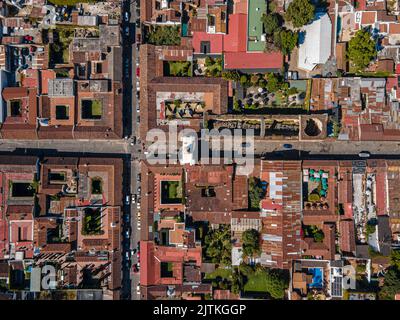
column 364, row 154
column 138, row 225
column 138, row 205
column 138, row 289
column 133, row 198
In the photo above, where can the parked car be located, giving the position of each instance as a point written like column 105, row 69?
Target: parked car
column 135, row 268
column 138, row 177
column 127, row 31
column 139, row 189
column 364, row 154
column 127, row 198
column 287, row 146
column 127, row 233
column 138, row 289
column 138, row 214
column 138, row 205
column 133, row 198
column 138, row 224
column 127, row 256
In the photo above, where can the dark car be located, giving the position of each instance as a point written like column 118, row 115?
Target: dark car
column 287, row 146
column 135, row 268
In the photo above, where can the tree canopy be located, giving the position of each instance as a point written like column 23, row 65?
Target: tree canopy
column 255, row 192
column 251, row 243
column 218, row 245
column 361, row 49
column 164, row 35
column 300, row 12
column 272, row 22
column 286, row 40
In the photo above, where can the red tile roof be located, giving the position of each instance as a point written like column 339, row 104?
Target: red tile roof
column 256, row 60
column 235, row 40
column 216, row 42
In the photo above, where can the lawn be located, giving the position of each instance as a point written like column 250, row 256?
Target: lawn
column 257, row 282
column 171, row 192
column 219, row 272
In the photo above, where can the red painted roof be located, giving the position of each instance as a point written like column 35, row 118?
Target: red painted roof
column 236, row 40
column 216, row 42
column 256, row 60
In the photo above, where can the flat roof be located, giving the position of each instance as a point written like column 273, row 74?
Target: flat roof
column 256, row 8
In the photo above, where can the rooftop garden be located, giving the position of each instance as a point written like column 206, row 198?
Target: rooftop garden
column 163, row 35
column 171, row 192
column 178, row 68
column 316, row 189
column 91, row 222
column 92, row 109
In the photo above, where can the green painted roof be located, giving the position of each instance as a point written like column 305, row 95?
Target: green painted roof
column 254, row 24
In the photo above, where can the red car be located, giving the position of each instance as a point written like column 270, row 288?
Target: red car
column 138, row 72
column 138, row 255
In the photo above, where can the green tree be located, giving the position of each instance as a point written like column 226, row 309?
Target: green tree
column 273, row 82
column 255, row 192
column 218, row 245
column 300, row 12
column 277, row 283
column 286, row 40
column 272, row 23
column 361, row 49
column 395, row 259
column 391, row 285
column 231, row 75
column 243, row 80
column 251, row 243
